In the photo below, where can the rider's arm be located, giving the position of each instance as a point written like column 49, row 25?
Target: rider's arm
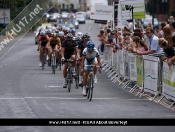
column 62, row 52
column 99, row 61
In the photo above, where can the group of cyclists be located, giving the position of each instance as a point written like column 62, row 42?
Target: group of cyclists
column 70, row 45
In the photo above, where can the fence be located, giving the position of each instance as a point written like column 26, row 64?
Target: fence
column 148, row 73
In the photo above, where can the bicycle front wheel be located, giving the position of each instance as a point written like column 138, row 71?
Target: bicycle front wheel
column 91, row 87
column 43, row 61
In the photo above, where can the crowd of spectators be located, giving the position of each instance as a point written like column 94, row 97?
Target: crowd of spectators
column 163, row 42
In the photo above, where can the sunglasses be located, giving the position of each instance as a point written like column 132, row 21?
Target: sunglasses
column 148, row 32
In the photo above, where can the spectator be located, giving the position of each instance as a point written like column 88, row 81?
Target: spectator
column 172, row 26
column 171, row 19
column 150, row 25
column 173, row 41
column 160, row 33
column 152, row 43
column 167, row 34
column 168, row 49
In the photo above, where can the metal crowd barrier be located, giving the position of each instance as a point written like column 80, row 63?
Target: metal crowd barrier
column 145, row 72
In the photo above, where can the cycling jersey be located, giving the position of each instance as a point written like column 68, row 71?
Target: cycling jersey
column 90, row 56
column 44, row 40
column 81, row 47
column 69, row 50
column 54, row 42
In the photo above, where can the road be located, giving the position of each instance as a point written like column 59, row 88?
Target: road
column 26, row 91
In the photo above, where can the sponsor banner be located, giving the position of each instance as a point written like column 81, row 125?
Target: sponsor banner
column 132, row 67
column 168, row 81
column 104, row 12
column 150, row 75
column 139, row 65
column 121, row 62
column 138, row 11
column 126, row 64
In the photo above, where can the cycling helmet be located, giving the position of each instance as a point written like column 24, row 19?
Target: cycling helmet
column 86, row 36
column 101, row 31
column 72, row 31
column 48, row 31
column 42, row 33
column 77, row 39
column 53, row 29
column 69, row 36
column 61, row 33
column 57, row 31
column 54, row 35
column 71, row 26
column 90, row 45
column 79, row 34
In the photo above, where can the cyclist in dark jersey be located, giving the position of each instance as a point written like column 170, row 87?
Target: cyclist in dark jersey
column 68, row 50
column 43, row 42
column 81, row 47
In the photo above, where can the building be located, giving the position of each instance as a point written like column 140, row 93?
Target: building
column 69, row 5
column 82, row 5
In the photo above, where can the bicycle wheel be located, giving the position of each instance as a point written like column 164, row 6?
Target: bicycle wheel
column 43, row 59
column 76, row 77
column 53, row 65
column 59, row 62
column 69, row 80
column 91, row 87
column 88, row 88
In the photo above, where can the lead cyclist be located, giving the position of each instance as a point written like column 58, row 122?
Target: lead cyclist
column 90, row 57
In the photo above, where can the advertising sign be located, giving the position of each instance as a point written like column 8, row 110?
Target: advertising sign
column 4, row 13
column 169, row 81
column 104, row 12
column 138, row 11
column 139, row 71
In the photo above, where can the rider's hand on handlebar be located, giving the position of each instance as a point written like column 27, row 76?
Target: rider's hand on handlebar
column 62, row 59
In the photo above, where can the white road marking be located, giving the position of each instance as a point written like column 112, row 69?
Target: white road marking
column 54, row 86
column 68, row 98
column 89, row 27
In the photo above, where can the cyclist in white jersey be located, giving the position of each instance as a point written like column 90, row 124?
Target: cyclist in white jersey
column 90, row 57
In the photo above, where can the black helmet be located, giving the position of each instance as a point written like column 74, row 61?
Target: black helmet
column 108, row 30
column 69, row 36
column 101, row 31
column 86, row 36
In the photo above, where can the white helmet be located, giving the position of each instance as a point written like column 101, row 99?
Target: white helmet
column 42, row 33
column 79, row 34
column 61, row 33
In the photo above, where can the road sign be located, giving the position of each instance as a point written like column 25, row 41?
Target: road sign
column 4, row 13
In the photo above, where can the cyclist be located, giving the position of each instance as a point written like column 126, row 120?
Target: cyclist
column 61, row 36
column 49, row 32
column 55, row 25
column 79, row 34
column 68, row 50
column 81, row 47
column 90, row 57
column 43, row 42
column 54, row 44
column 72, row 32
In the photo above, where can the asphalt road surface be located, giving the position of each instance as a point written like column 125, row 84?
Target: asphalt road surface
column 27, row 91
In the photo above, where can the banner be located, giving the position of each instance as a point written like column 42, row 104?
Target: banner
column 121, row 60
column 139, row 62
column 168, row 81
column 87, row 122
column 132, row 67
column 126, row 63
column 104, row 12
column 151, row 69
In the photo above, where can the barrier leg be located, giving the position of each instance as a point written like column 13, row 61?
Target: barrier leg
column 106, row 66
column 112, row 78
column 141, row 94
column 117, row 79
column 122, row 81
column 128, row 82
column 112, row 73
column 161, row 99
column 171, row 104
column 108, row 69
column 154, row 97
column 133, row 89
